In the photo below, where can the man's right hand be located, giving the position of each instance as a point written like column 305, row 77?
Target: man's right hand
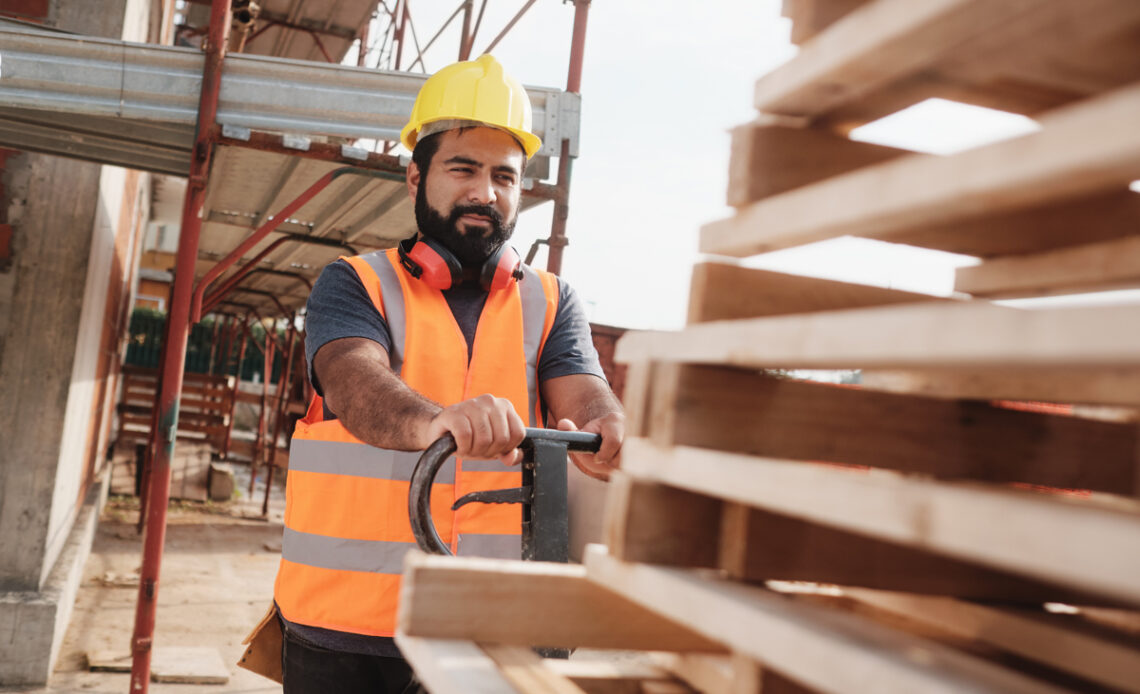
column 484, row 427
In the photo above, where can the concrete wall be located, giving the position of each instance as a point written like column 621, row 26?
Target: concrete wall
column 64, row 298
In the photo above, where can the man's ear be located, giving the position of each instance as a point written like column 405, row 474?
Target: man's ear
column 412, row 178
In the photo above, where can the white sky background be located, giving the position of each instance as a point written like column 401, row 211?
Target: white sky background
column 662, row 84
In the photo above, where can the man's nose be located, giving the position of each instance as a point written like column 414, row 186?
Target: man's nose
column 481, row 190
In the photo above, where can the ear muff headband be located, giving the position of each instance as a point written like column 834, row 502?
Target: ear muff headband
column 426, row 259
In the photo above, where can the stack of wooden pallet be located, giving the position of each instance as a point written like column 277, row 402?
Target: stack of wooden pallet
column 924, row 532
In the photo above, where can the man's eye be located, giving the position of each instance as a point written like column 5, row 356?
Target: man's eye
column 506, row 179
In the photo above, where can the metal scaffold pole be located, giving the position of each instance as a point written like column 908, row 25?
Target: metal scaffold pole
column 175, row 355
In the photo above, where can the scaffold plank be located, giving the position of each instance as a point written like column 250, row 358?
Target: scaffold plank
column 793, row 638
column 1086, row 544
column 447, row 666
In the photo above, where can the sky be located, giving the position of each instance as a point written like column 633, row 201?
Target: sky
column 663, row 83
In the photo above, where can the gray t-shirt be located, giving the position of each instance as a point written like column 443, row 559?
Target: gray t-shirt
column 339, row 307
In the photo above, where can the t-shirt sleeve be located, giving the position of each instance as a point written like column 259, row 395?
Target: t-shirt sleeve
column 339, row 307
column 569, row 348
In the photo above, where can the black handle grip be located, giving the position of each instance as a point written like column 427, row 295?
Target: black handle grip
column 423, row 476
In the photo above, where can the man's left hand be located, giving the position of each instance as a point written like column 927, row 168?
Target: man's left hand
column 608, row 458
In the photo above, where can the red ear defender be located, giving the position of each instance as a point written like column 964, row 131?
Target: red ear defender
column 425, row 259
column 503, row 267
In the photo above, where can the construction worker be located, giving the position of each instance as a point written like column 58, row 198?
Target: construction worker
column 449, row 332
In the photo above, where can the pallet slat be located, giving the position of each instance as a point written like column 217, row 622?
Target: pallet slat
column 795, row 638
column 1021, row 632
column 970, row 335
column 451, row 665
column 1087, row 148
column 1077, row 543
column 528, row 604
column 746, row 411
column 956, row 47
column 720, row 291
column 1092, row 267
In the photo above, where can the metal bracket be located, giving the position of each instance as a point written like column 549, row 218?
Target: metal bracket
column 563, row 122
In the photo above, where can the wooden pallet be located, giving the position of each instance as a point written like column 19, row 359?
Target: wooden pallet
column 204, row 408
column 927, row 530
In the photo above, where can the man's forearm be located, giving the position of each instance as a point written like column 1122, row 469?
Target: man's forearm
column 369, row 399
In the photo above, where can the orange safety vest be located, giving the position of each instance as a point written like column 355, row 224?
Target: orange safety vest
column 346, row 503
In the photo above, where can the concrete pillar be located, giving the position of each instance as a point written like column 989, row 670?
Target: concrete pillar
column 72, row 229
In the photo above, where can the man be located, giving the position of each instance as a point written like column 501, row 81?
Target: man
column 449, row 333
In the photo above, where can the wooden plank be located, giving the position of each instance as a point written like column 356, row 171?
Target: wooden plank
column 524, row 669
column 1081, row 149
column 609, row 676
column 1091, row 267
column 758, row 545
column 755, row 545
column 658, row 524
column 958, row 335
column 1023, row 632
column 528, row 604
column 768, row 159
column 746, row 411
column 810, row 17
column 1079, row 543
column 1090, row 386
column 1101, row 217
column 720, row 291
column 794, row 638
column 452, row 666
column 891, row 41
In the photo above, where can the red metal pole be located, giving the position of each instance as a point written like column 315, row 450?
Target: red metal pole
column 510, row 25
column 237, row 387
column 363, row 38
column 283, row 387
column 179, row 316
column 573, row 84
column 262, row 420
column 465, row 35
column 402, row 12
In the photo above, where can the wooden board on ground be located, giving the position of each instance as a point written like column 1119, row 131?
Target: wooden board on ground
column 528, row 604
column 658, row 524
column 1088, row 148
column 752, row 412
column 172, row 664
column 1087, row 268
column 1026, row 633
column 1080, row 543
column 959, row 335
column 794, row 638
column 720, row 291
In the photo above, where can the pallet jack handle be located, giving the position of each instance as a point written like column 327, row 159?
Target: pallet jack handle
column 543, row 494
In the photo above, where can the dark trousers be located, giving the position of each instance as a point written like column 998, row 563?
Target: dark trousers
column 310, row 669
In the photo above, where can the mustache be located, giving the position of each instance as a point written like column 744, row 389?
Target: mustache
column 481, row 210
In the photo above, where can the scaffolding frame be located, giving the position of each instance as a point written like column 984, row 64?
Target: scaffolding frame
column 209, row 134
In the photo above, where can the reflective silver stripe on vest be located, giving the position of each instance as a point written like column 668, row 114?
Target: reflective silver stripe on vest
column 360, row 460
column 493, row 546
column 471, row 465
column 371, row 556
column 534, row 319
column 392, row 295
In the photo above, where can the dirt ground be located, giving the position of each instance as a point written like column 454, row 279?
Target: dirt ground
column 215, row 584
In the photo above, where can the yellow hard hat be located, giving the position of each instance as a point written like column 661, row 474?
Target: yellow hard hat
column 474, row 90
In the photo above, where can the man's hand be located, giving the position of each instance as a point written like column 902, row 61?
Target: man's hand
column 484, row 427
column 608, row 458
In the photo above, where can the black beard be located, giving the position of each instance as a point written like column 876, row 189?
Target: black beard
column 472, row 248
